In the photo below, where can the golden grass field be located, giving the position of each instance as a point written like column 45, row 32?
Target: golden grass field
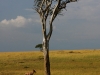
column 63, row 62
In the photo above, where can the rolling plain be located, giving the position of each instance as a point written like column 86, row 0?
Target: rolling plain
column 63, row 62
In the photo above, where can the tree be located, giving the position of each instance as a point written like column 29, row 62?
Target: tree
column 39, row 46
column 48, row 10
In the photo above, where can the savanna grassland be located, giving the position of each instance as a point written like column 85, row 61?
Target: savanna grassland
column 63, row 62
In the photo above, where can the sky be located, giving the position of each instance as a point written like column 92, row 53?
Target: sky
column 78, row 28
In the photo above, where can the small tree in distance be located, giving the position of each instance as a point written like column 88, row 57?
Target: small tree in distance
column 48, row 11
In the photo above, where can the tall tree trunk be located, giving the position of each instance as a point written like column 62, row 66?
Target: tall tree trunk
column 46, row 58
column 45, row 47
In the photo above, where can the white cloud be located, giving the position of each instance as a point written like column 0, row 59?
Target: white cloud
column 18, row 22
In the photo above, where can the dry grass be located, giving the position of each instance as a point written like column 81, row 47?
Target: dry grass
column 63, row 62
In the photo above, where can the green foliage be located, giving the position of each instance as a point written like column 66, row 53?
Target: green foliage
column 39, row 46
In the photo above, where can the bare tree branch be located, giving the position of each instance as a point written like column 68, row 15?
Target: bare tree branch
column 46, row 8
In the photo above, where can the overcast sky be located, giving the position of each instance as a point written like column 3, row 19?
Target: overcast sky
column 20, row 28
